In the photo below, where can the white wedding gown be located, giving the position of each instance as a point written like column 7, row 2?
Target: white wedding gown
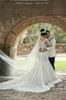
column 40, row 78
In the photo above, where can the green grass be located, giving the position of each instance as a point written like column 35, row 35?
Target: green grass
column 60, row 65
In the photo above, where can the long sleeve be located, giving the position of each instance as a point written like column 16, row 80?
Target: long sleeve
column 51, row 50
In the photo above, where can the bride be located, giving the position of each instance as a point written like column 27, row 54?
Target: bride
column 41, row 76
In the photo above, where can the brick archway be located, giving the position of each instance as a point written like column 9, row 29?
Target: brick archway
column 17, row 29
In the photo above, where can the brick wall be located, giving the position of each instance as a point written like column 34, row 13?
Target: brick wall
column 16, row 15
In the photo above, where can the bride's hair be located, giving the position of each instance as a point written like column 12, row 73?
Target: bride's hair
column 43, row 32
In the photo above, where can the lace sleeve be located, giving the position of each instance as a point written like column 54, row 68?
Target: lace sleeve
column 48, row 44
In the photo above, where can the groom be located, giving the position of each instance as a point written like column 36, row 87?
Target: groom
column 51, row 50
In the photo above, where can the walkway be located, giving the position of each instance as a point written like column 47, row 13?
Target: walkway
column 56, row 93
column 61, row 56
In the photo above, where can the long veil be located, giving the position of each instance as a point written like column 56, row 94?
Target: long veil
column 23, row 65
column 34, row 75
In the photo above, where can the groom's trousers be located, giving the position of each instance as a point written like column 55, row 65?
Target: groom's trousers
column 52, row 61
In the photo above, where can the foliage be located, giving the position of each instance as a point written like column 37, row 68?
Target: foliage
column 34, row 32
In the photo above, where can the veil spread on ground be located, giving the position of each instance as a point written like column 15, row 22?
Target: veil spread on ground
column 36, row 75
column 23, row 65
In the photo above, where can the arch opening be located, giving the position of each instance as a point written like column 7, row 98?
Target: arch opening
column 26, row 40
column 22, row 25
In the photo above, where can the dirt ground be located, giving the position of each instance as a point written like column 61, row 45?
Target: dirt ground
column 56, row 93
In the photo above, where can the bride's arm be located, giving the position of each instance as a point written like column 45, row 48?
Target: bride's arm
column 48, row 44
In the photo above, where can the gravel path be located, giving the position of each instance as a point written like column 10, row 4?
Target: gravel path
column 56, row 93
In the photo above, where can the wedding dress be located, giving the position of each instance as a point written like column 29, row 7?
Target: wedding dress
column 40, row 76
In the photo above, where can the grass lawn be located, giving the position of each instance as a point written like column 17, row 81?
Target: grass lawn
column 60, row 65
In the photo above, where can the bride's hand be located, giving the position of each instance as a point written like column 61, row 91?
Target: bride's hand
column 42, row 50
